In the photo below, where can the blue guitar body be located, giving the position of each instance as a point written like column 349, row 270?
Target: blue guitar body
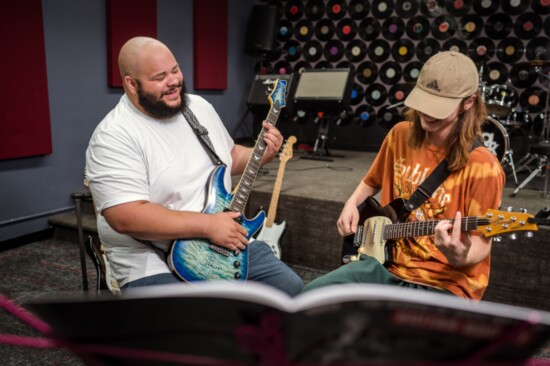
column 199, row 259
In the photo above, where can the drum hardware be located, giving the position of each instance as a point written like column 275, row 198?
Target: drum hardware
column 540, row 150
column 496, row 139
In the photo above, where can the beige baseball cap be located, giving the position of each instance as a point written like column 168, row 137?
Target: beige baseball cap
column 445, row 79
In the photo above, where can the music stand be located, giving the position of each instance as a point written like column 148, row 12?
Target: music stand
column 326, row 94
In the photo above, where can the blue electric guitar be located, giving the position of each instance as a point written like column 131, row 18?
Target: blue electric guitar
column 199, row 259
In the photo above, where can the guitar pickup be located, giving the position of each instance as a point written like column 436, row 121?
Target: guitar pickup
column 220, row 250
column 358, row 237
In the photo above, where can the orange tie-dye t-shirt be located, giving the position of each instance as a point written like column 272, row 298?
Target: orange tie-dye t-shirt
column 398, row 170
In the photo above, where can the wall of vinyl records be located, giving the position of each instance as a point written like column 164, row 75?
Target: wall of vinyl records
column 386, row 42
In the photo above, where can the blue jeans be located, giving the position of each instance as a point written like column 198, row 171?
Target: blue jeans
column 263, row 267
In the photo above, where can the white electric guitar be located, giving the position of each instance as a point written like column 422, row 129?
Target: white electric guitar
column 271, row 232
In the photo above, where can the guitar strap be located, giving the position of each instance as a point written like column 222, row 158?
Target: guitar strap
column 202, row 134
column 430, row 184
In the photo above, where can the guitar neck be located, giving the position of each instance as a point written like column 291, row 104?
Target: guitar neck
column 272, row 211
column 425, row 228
column 242, row 193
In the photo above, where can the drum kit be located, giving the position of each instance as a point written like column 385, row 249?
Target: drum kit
column 505, row 120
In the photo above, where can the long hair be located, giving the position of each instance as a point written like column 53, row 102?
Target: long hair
column 466, row 131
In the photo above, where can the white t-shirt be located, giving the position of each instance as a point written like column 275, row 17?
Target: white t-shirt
column 133, row 157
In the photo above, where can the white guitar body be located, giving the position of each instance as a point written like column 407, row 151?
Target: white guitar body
column 272, row 235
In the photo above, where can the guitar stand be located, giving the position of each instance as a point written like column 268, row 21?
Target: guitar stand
column 508, row 159
column 322, row 153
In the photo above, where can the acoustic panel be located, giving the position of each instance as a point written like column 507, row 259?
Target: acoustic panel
column 210, row 44
column 24, row 106
column 123, row 24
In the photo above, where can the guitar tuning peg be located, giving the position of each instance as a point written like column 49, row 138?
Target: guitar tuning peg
column 523, row 210
column 529, row 234
column 497, row 238
column 513, row 236
column 510, row 209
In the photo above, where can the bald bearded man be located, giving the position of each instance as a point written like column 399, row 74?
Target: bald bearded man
column 148, row 173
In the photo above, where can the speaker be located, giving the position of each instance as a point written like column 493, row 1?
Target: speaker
column 327, row 90
column 262, row 29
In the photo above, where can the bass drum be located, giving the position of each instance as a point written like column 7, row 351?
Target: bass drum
column 495, row 138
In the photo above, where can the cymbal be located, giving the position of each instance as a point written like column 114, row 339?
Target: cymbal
column 535, row 63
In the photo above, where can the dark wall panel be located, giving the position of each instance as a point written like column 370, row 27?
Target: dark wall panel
column 24, row 108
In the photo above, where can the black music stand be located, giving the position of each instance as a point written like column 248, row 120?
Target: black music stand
column 325, row 93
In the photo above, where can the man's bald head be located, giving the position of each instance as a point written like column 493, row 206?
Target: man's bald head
column 134, row 52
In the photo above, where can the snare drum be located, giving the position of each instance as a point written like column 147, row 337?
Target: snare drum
column 500, row 100
column 495, row 137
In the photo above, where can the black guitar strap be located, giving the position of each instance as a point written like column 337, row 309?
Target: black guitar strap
column 202, row 134
column 430, row 184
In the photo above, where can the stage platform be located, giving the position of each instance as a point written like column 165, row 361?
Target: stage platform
column 313, row 193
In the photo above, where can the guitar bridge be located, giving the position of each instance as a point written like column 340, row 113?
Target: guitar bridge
column 220, row 250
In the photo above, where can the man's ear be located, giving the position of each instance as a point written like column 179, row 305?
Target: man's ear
column 468, row 103
column 131, row 84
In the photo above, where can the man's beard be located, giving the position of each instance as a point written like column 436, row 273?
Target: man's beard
column 156, row 107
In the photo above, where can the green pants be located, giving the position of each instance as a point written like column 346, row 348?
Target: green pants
column 365, row 270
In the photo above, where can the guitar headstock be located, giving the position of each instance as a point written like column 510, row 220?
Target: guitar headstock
column 278, row 95
column 501, row 222
column 287, row 152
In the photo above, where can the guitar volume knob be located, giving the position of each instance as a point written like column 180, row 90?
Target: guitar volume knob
column 237, row 264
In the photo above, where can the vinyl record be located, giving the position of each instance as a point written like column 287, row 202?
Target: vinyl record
column 498, row 26
column 315, row 10
column 393, row 28
column 357, row 94
column 432, row 8
column 388, row 117
column 346, row 29
column 390, row 73
column 336, row 9
column 399, row 92
column 293, row 50
column 486, row 7
column 458, row 8
column 282, row 68
column 301, row 66
column 515, row 7
column 418, row 27
column 382, row 9
column 443, row 27
column 470, row 26
column 402, row 50
column 427, row 48
column 334, row 50
column 285, row 31
column 367, row 72
column 325, row 29
column 541, row 7
column 538, row 49
column 379, row 50
column 369, row 29
column 356, row 50
column 481, row 49
column 410, row 74
column 533, row 98
column 496, row 72
column 376, row 94
column 313, row 50
column 547, row 26
column 528, row 25
column 294, row 10
column 522, row 77
column 406, row 8
column 303, row 30
column 359, row 9
column 455, row 44
column 510, row 50
column 365, row 115
column 323, row 65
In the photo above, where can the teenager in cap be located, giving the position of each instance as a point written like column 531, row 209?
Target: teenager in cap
column 443, row 121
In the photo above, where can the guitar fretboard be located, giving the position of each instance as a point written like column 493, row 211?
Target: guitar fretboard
column 238, row 204
column 424, row 228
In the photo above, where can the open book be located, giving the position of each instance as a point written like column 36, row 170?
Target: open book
column 219, row 323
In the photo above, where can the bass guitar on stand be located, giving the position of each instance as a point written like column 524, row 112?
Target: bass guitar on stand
column 271, row 232
column 199, row 259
